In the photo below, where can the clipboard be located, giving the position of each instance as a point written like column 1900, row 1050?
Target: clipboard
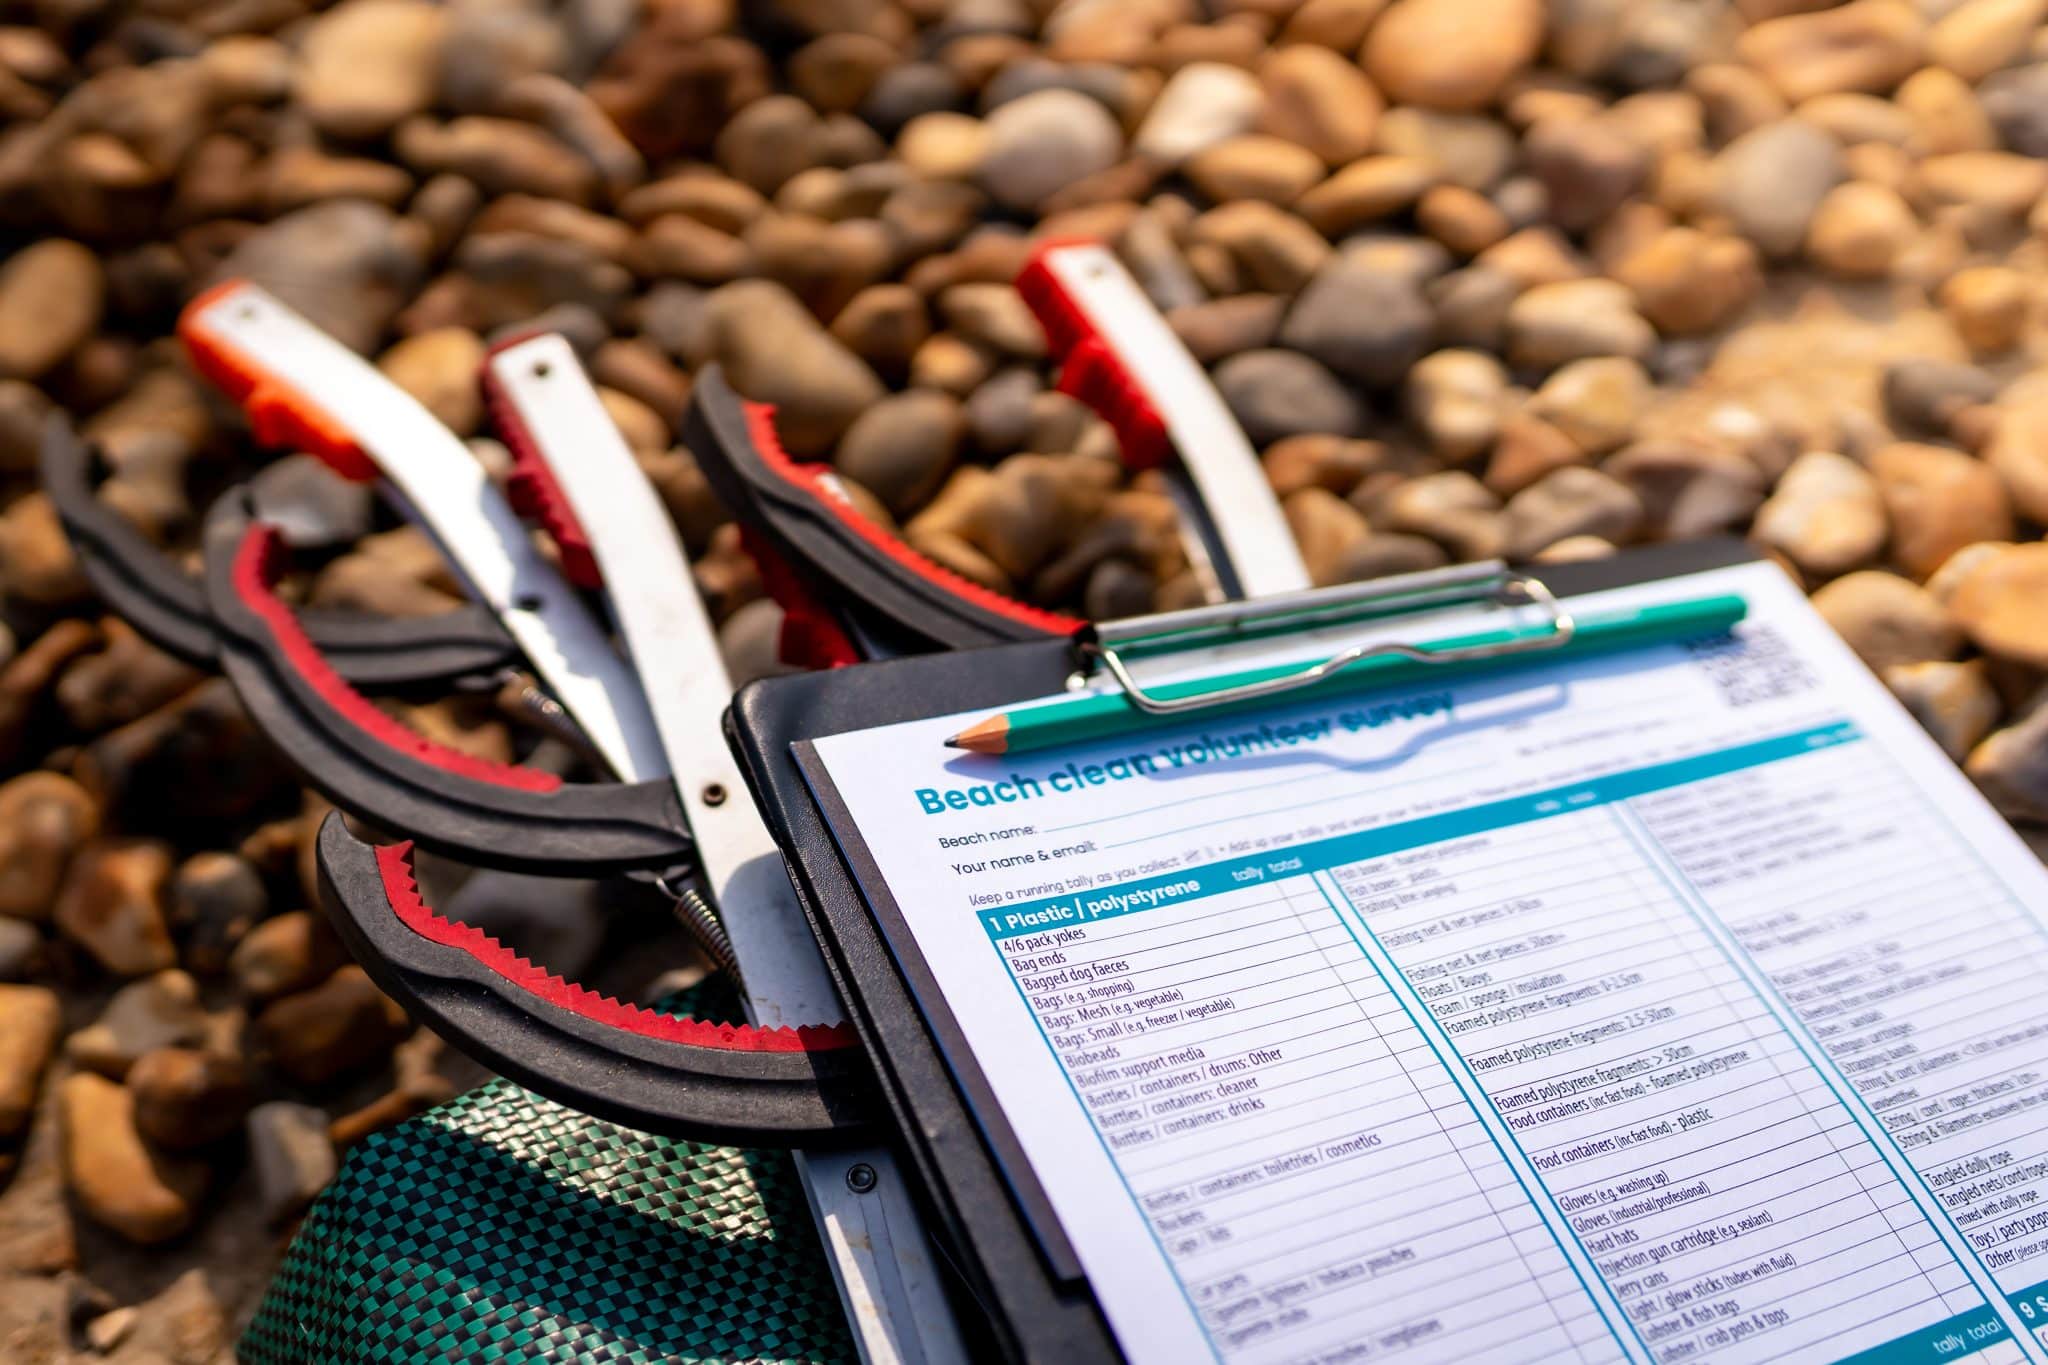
column 984, row 1208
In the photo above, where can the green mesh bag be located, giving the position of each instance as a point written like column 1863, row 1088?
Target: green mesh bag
column 505, row 1227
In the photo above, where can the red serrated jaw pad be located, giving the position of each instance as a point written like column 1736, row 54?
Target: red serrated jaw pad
column 1090, row 369
column 1094, row 374
column 531, row 487
column 401, row 890
column 809, row 637
column 259, row 560
column 279, row 415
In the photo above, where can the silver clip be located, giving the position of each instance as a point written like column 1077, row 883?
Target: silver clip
column 1493, row 582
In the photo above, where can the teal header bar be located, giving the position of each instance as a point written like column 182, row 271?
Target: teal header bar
column 1088, row 907
column 1964, row 1334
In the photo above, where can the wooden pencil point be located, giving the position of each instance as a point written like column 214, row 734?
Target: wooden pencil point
column 991, row 736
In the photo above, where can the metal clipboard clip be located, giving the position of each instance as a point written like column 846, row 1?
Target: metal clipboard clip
column 1115, row 644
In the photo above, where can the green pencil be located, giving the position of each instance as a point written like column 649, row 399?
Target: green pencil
column 1098, row 714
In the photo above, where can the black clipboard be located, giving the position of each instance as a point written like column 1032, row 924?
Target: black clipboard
column 987, row 1215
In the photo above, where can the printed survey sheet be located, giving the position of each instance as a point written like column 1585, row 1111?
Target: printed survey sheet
column 1684, row 1004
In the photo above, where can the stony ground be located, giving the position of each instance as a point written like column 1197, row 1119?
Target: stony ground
column 1478, row 276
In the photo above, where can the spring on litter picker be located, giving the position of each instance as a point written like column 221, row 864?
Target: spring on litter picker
column 698, row 919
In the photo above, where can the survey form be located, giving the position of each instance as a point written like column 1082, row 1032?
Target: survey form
column 1681, row 1004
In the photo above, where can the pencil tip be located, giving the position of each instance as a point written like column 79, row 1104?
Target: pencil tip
column 991, row 736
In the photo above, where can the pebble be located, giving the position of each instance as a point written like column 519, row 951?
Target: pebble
column 498, row 155
column 2018, row 451
column 1452, row 54
column 31, row 1021
column 2002, row 603
column 1277, row 251
column 1687, row 282
column 186, row 1097
column 122, row 682
column 1450, row 508
column 1596, row 402
column 1332, row 463
column 1573, row 501
column 1978, row 37
column 439, row 368
column 51, row 297
column 884, row 324
column 1254, row 166
column 1455, row 398
column 1954, row 702
column 1887, row 620
column 45, row 818
column 1994, row 184
column 1365, row 324
column 1688, row 490
column 339, row 1026
column 1771, row 181
column 1466, row 149
column 2011, row 767
column 1465, row 222
column 21, row 949
column 158, row 1011
column 1043, row 142
column 1219, row 328
column 902, row 448
column 289, row 952
column 1366, row 191
column 365, row 66
column 1859, row 230
column 292, row 1154
column 1938, row 500
column 118, row 1182
column 774, row 351
column 111, row 905
column 1275, row 393
column 1383, row 553
column 1988, row 305
column 1826, row 515
column 1947, row 115
column 995, row 316
column 1587, row 166
column 1200, row 105
column 1868, row 45
column 1529, row 449
column 1553, row 324
column 348, row 266
column 2016, row 103
column 1319, row 101
column 1927, row 395
column 1325, row 527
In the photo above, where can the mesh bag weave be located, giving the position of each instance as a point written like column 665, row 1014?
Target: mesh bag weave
column 505, row 1227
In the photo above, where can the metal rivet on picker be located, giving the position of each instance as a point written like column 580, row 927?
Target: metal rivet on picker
column 713, row 794
column 860, row 1177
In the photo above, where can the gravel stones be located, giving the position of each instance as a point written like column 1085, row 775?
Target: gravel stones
column 292, row 1155
column 112, row 905
column 1554, row 324
column 119, row 1182
column 1043, row 142
column 2002, row 603
column 902, row 448
column 51, row 295
column 774, row 351
column 1887, row 620
column 348, row 266
column 31, row 1020
column 1868, row 45
column 1827, row 515
column 187, row 1098
column 1452, row 54
column 1770, row 182
column 1203, row 103
column 1318, row 101
column 365, row 66
column 1276, row 393
column 1938, row 501
column 1365, row 324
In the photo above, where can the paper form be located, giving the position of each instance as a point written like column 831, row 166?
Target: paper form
column 1684, row 1004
